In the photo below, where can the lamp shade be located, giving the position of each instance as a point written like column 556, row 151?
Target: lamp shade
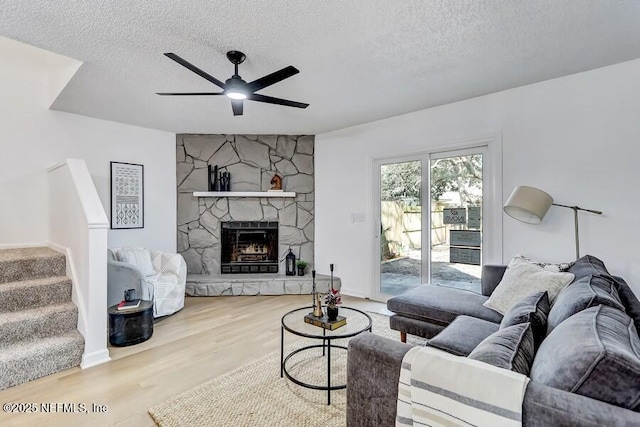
column 528, row 204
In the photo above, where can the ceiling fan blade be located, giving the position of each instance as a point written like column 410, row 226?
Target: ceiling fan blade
column 190, row 93
column 272, row 78
column 279, row 101
column 236, row 106
column 195, row 69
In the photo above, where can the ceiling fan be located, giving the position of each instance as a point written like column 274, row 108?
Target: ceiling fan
column 236, row 88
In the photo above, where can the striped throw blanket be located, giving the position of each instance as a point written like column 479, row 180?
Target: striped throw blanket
column 439, row 389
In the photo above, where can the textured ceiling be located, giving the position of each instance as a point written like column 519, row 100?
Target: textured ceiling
column 360, row 60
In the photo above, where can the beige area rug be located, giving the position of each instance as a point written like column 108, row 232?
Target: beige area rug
column 255, row 395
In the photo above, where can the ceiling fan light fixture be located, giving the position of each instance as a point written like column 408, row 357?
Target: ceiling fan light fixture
column 235, row 88
column 236, row 94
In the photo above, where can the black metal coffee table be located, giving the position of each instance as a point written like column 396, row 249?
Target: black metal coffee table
column 357, row 322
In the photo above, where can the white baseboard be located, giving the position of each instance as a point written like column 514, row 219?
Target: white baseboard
column 23, row 245
column 58, row 248
column 353, row 293
column 95, row 358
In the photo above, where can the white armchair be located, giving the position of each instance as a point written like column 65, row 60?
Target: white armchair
column 155, row 275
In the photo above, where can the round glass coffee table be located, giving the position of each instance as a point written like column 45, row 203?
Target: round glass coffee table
column 357, row 322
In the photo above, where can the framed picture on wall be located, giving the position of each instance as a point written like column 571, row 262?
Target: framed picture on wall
column 127, row 195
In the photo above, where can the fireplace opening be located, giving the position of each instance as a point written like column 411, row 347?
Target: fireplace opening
column 249, row 247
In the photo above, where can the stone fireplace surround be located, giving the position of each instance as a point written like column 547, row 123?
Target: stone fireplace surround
column 252, row 161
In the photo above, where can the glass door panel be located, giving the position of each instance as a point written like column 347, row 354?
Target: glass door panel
column 456, row 220
column 445, row 245
column 401, row 226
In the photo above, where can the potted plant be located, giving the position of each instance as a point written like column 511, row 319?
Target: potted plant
column 333, row 299
column 302, row 265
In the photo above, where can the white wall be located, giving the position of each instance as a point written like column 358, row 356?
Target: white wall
column 577, row 137
column 33, row 138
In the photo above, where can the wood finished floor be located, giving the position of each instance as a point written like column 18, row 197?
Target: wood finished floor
column 210, row 336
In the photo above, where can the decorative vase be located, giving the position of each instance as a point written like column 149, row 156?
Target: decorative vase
column 214, row 183
column 301, row 271
column 332, row 312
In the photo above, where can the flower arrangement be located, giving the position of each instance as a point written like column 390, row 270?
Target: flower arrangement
column 333, row 298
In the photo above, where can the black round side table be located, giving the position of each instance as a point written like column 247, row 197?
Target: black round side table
column 129, row 327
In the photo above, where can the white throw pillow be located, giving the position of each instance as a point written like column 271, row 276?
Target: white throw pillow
column 523, row 278
column 141, row 258
column 549, row 266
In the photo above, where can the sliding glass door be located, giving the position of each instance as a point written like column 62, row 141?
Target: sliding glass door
column 456, row 220
column 430, row 211
column 400, row 226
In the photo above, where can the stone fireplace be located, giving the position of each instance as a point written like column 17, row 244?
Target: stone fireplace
column 249, row 247
column 252, row 160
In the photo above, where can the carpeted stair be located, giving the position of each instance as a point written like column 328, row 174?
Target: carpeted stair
column 38, row 321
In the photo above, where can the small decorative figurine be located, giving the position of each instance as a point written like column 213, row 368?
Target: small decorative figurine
column 317, row 309
column 276, row 183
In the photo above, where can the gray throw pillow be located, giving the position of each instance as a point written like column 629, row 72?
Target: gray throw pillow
column 595, row 353
column 588, row 291
column 532, row 309
column 510, row 348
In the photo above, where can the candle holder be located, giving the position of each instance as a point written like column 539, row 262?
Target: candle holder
column 313, row 287
column 331, row 283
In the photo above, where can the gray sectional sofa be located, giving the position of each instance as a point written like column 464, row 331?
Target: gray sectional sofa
column 586, row 370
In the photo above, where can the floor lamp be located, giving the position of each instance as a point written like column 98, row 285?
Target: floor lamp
column 530, row 205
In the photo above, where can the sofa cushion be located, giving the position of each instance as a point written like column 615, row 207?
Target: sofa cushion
column 463, row 335
column 589, row 264
column 532, row 309
column 441, row 305
column 586, row 266
column 523, row 278
column 411, row 326
column 588, row 291
column 490, row 277
column 629, row 300
column 510, row 348
column 595, row 353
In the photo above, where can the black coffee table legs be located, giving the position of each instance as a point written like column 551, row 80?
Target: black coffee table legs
column 329, row 372
column 326, row 345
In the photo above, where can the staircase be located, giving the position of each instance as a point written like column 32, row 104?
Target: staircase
column 38, row 321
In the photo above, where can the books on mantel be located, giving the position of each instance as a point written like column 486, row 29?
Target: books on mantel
column 325, row 323
column 128, row 305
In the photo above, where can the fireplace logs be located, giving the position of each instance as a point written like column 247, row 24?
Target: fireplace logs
column 249, row 247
